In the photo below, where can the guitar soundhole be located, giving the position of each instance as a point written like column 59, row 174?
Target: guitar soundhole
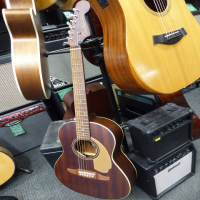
column 86, row 149
column 156, row 5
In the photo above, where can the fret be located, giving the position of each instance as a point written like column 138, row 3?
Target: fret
column 80, row 100
column 77, row 57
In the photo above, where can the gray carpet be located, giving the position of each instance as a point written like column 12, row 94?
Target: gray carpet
column 43, row 185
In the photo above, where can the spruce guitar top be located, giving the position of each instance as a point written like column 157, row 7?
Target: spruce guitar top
column 7, row 165
column 92, row 162
column 27, row 47
column 150, row 46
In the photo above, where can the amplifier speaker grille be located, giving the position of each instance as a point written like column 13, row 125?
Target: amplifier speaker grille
column 60, row 67
column 173, row 174
column 10, row 96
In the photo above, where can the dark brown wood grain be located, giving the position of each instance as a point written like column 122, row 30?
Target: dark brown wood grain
column 2, row 5
column 180, row 100
column 97, row 100
column 118, row 185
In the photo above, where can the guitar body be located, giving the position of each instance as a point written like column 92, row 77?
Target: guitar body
column 97, row 100
column 180, row 100
column 114, row 173
column 2, row 5
column 27, row 47
column 133, row 61
column 7, row 165
column 50, row 5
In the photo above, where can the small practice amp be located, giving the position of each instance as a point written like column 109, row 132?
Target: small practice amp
column 23, row 128
column 158, row 179
column 158, row 133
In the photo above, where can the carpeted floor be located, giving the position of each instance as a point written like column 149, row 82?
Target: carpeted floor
column 43, row 185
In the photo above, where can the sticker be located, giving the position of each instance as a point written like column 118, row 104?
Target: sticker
column 17, row 129
column 62, row 93
column 156, row 140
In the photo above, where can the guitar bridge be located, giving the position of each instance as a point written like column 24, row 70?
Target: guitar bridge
column 170, row 37
column 88, row 174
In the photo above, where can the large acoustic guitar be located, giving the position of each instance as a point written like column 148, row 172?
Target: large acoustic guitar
column 7, row 165
column 149, row 45
column 27, row 47
column 92, row 162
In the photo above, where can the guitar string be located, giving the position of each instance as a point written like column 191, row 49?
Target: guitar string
column 162, row 20
column 84, row 91
column 164, row 5
column 161, row 9
column 81, row 127
column 77, row 142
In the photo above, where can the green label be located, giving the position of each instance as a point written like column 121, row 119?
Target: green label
column 68, row 14
column 62, row 92
column 17, row 129
column 191, row 7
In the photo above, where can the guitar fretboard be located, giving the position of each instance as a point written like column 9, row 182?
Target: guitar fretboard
column 80, row 100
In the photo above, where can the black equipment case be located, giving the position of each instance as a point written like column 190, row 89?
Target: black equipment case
column 158, row 133
column 51, row 147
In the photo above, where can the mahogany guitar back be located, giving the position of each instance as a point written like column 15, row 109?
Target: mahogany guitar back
column 97, row 101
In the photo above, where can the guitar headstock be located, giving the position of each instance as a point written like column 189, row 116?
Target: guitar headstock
column 79, row 29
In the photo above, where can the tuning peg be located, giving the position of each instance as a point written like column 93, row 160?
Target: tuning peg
column 68, row 23
column 75, row 9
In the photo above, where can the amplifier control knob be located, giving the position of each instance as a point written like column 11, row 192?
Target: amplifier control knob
column 162, row 167
column 156, row 171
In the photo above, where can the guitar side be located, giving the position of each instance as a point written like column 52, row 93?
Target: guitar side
column 27, row 47
column 7, row 165
column 115, row 173
column 134, row 63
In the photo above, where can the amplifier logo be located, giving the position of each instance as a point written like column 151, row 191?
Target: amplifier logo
column 173, row 167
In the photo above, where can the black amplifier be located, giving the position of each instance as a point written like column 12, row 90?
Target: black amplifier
column 158, row 179
column 158, row 133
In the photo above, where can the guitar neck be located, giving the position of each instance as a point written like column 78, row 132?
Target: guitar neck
column 80, row 100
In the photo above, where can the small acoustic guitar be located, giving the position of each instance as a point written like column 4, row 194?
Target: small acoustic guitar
column 7, row 165
column 27, row 47
column 92, row 162
column 150, row 46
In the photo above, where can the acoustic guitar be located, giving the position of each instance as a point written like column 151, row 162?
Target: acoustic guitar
column 150, row 46
column 27, row 48
column 49, row 5
column 92, row 162
column 7, row 165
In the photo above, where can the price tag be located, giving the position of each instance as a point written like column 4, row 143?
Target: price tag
column 17, row 129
